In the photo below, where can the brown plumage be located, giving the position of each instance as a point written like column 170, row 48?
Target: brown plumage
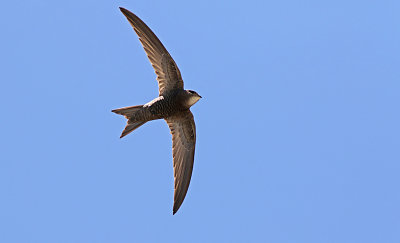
column 173, row 104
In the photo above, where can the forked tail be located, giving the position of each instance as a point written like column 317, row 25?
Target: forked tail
column 129, row 113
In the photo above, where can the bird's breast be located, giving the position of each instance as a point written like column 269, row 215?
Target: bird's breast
column 162, row 107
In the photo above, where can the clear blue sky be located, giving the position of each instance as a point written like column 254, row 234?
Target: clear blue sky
column 298, row 135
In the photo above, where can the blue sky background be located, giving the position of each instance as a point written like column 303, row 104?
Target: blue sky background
column 298, row 129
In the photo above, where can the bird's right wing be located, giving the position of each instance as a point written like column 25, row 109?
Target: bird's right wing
column 168, row 74
column 183, row 132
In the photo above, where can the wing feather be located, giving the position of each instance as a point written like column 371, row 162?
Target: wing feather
column 168, row 74
column 183, row 130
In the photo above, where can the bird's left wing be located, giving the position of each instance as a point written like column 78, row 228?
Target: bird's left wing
column 168, row 74
column 183, row 130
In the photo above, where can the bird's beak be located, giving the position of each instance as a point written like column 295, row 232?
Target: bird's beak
column 200, row 96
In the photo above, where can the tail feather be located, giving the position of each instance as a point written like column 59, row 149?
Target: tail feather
column 129, row 113
column 130, row 127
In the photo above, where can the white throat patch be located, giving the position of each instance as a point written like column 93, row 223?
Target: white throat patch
column 192, row 100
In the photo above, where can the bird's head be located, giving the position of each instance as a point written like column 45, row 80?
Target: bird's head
column 192, row 97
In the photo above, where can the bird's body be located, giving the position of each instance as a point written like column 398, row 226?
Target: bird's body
column 169, row 104
column 173, row 104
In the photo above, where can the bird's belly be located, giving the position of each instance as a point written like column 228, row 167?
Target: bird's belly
column 161, row 107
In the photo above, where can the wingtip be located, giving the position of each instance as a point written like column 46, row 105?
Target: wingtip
column 175, row 209
column 123, row 10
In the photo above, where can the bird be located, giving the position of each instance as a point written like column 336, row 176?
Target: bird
column 173, row 105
